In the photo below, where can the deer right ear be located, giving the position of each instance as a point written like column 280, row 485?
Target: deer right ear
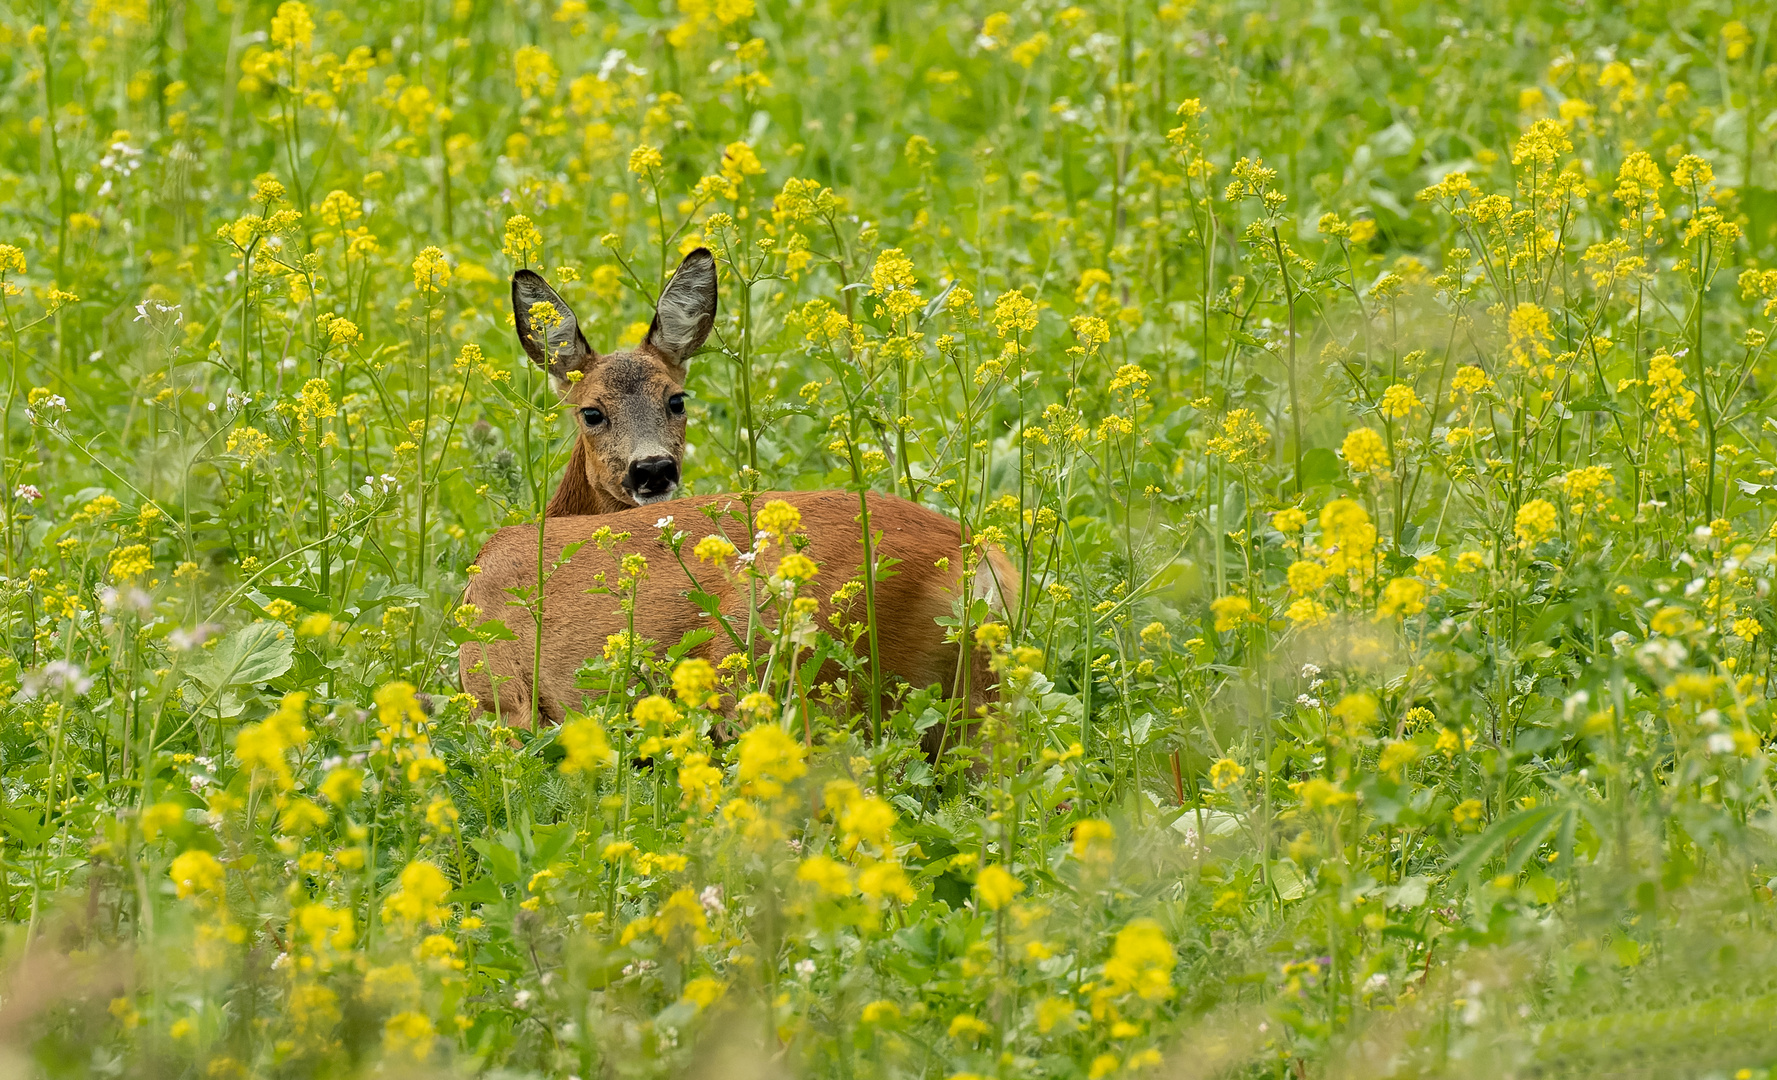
column 553, row 342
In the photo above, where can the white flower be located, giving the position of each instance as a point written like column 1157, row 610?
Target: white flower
column 27, row 492
column 711, row 899
column 57, row 675
column 1720, row 743
column 805, row 968
column 1309, row 671
column 664, row 523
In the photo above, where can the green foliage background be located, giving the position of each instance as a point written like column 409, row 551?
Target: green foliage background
column 1374, row 397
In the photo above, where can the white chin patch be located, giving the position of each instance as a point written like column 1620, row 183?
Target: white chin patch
column 650, row 500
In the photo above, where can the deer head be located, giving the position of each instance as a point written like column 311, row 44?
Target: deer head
column 628, row 407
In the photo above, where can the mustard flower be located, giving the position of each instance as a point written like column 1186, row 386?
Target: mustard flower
column 1365, row 451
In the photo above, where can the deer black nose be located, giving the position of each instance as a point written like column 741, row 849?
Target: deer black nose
column 651, row 477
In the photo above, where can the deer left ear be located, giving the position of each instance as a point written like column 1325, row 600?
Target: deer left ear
column 687, row 308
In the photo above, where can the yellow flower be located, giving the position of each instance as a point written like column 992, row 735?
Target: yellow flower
column 342, row 785
column 1013, row 314
column 885, row 878
column 641, row 160
column 1668, row 396
column 430, row 272
column 703, row 991
column 1398, row 401
column 1319, row 794
column 694, row 681
column 892, row 279
column 160, row 817
column 1307, row 611
column 1735, row 39
column 1586, row 483
column 262, row 746
column 1397, row 756
column 1670, row 621
column 315, row 402
column 780, row 519
column 1402, row 596
column 739, row 161
column 713, row 549
column 966, row 1027
column 417, row 107
column 1231, row 612
column 681, row 917
column 130, row 563
column 1536, row 521
column 1365, row 451
column 586, row 746
column 409, row 1034
column 700, row 782
column 522, row 242
column 196, row 873
column 419, row 897
column 1528, row 327
column 1468, row 812
column 1225, row 773
column 655, row 710
column 1306, row 577
column 1092, row 840
column 1358, row 711
column 1348, row 536
column 292, row 27
column 866, row 820
column 1470, row 379
column 1289, row 520
column 797, row 567
column 830, row 877
column 769, row 759
column 996, row 886
column 534, row 71
column 1242, row 440
column 1141, row 963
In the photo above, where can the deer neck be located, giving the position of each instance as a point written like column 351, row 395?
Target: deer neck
column 575, row 495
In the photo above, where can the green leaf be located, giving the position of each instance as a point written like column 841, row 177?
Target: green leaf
column 691, row 640
column 1516, row 836
column 483, row 890
column 502, row 861
column 306, row 599
column 254, row 654
column 1320, row 466
column 1288, row 880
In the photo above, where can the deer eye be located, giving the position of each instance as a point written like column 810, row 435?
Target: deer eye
column 593, row 417
column 676, row 404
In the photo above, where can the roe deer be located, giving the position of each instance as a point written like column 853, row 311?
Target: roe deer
column 629, row 412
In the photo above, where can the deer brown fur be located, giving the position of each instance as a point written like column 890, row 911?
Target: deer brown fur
column 628, row 410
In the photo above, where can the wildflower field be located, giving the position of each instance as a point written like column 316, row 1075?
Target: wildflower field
column 1375, row 401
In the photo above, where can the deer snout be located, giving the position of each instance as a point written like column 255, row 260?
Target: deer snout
column 652, row 478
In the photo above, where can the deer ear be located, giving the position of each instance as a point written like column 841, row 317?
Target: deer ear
column 559, row 348
column 687, row 308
